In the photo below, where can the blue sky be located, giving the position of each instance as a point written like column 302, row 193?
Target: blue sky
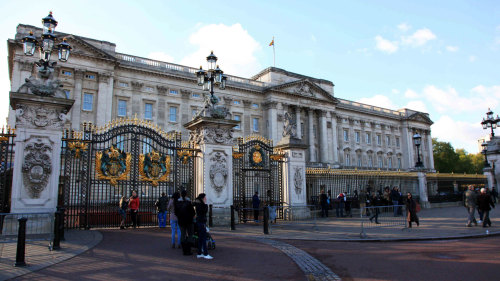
column 440, row 57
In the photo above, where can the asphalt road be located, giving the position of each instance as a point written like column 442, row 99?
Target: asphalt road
column 465, row 259
column 145, row 254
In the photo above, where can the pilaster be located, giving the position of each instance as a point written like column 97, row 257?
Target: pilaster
column 312, row 151
column 322, row 136
column 76, row 111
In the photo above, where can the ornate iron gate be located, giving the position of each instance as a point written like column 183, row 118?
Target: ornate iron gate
column 6, row 167
column 100, row 165
column 256, row 167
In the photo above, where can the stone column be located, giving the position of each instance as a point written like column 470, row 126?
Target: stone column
column 312, row 154
column 323, row 136
column 25, row 70
column 335, row 138
column 493, row 172
column 76, row 111
column 408, row 145
column 102, row 99
column 299, row 123
column 214, row 137
column 272, row 118
column 109, row 98
column 431, row 154
column 422, row 190
column 39, row 124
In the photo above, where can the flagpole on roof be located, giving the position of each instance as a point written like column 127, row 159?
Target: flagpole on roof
column 274, row 54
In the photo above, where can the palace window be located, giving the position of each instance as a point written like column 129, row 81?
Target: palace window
column 389, row 162
column 255, row 123
column 173, row 114
column 66, row 72
column 194, row 111
column 237, row 102
column 379, row 140
column 388, row 140
column 90, row 76
column 122, row 108
column 67, row 93
column 359, row 160
column 302, row 131
column 88, row 101
column 237, row 118
column 123, row 84
column 195, row 95
column 254, row 105
column 348, row 160
column 346, row 135
column 370, row 161
column 399, row 162
column 148, row 89
column 148, row 111
column 357, row 136
column 368, row 138
column 397, row 142
column 380, row 162
column 174, row 92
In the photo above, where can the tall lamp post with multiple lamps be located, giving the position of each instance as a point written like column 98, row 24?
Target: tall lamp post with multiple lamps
column 417, row 139
column 490, row 122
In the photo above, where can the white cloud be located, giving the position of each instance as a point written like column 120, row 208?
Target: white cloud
column 417, row 105
column 451, row 48
column 404, row 27
column 313, row 38
column 234, row 47
column 385, row 45
column 380, row 101
column 472, row 58
column 419, row 38
column 395, row 91
column 161, row 56
column 410, row 94
column 461, row 134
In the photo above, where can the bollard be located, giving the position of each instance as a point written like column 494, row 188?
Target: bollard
column 21, row 243
column 266, row 220
column 61, row 223
column 56, row 244
column 232, row 218
column 210, row 219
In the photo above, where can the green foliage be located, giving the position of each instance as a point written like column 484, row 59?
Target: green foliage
column 447, row 159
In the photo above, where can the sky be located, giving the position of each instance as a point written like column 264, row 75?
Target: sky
column 439, row 57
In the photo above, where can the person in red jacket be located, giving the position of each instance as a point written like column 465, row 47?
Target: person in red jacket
column 134, row 207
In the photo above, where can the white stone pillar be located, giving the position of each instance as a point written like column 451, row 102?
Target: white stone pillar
column 25, row 70
column 430, row 152
column 422, row 190
column 298, row 121
column 408, row 145
column 76, row 111
column 272, row 118
column 312, row 153
column 109, row 98
column 294, row 175
column 335, row 138
column 323, row 137
column 102, row 99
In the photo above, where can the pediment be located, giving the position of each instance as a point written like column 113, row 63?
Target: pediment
column 304, row 88
column 420, row 117
column 83, row 48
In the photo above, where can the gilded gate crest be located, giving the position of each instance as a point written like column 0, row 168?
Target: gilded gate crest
column 257, row 156
column 154, row 167
column 113, row 165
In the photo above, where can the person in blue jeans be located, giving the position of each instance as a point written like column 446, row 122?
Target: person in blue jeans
column 201, row 207
column 161, row 206
column 174, row 222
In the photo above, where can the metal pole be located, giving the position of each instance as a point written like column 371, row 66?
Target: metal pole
column 232, row 218
column 61, row 223
column 266, row 220
column 56, row 244
column 210, row 219
column 21, row 243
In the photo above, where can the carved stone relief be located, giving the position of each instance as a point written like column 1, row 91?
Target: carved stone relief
column 40, row 117
column 218, row 172
column 212, row 135
column 37, row 166
column 304, row 89
column 297, row 154
column 298, row 180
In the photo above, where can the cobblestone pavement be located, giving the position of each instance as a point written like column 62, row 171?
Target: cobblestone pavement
column 39, row 256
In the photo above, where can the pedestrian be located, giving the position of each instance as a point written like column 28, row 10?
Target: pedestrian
column 395, row 200
column 347, row 204
column 329, row 200
column 375, row 203
column 411, row 210
column 185, row 214
column 340, row 205
column 362, row 202
column 161, row 206
column 494, row 194
column 174, row 222
column 485, row 203
column 387, row 196
column 201, row 222
column 470, row 203
column 134, row 208
column 323, row 200
column 256, row 206
column 122, row 210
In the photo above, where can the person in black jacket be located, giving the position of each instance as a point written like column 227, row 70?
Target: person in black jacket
column 323, row 200
column 201, row 222
column 161, row 206
column 256, row 206
column 484, row 204
column 185, row 214
column 375, row 202
column 411, row 210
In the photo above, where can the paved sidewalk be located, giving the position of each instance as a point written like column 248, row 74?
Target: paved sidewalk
column 39, row 256
column 437, row 223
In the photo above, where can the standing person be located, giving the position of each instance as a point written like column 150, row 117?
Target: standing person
column 362, row 202
column 494, row 194
column 329, row 199
column 201, row 222
column 411, row 210
column 123, row 211
column 347, row 203
column 484, row 204
column 134, row 208
column 161, row 206
column 470, row 204
column 255, row 206
column 375, row 202
column 395, row 199
column 323, row 200
column 185, row 214
column 174, row 222
column 340, row 205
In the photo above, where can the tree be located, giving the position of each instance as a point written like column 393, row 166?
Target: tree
column 447, row 159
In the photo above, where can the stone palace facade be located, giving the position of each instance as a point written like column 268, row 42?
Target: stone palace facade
column 107, row 85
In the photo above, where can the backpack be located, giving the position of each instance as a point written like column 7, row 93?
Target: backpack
column 184, row 212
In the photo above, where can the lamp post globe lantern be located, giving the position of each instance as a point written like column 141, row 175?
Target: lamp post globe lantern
column 211, row 60
column 417, row 139
column 49, row 23
column 490, row 122
column 64, row 49
column 484, row 145
column 214, row 76
column 29, row 44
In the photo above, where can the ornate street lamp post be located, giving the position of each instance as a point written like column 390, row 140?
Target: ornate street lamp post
column 417, row 139
column 46, row 44
column 214, row 76
column 484, row 145
column 490, row 122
